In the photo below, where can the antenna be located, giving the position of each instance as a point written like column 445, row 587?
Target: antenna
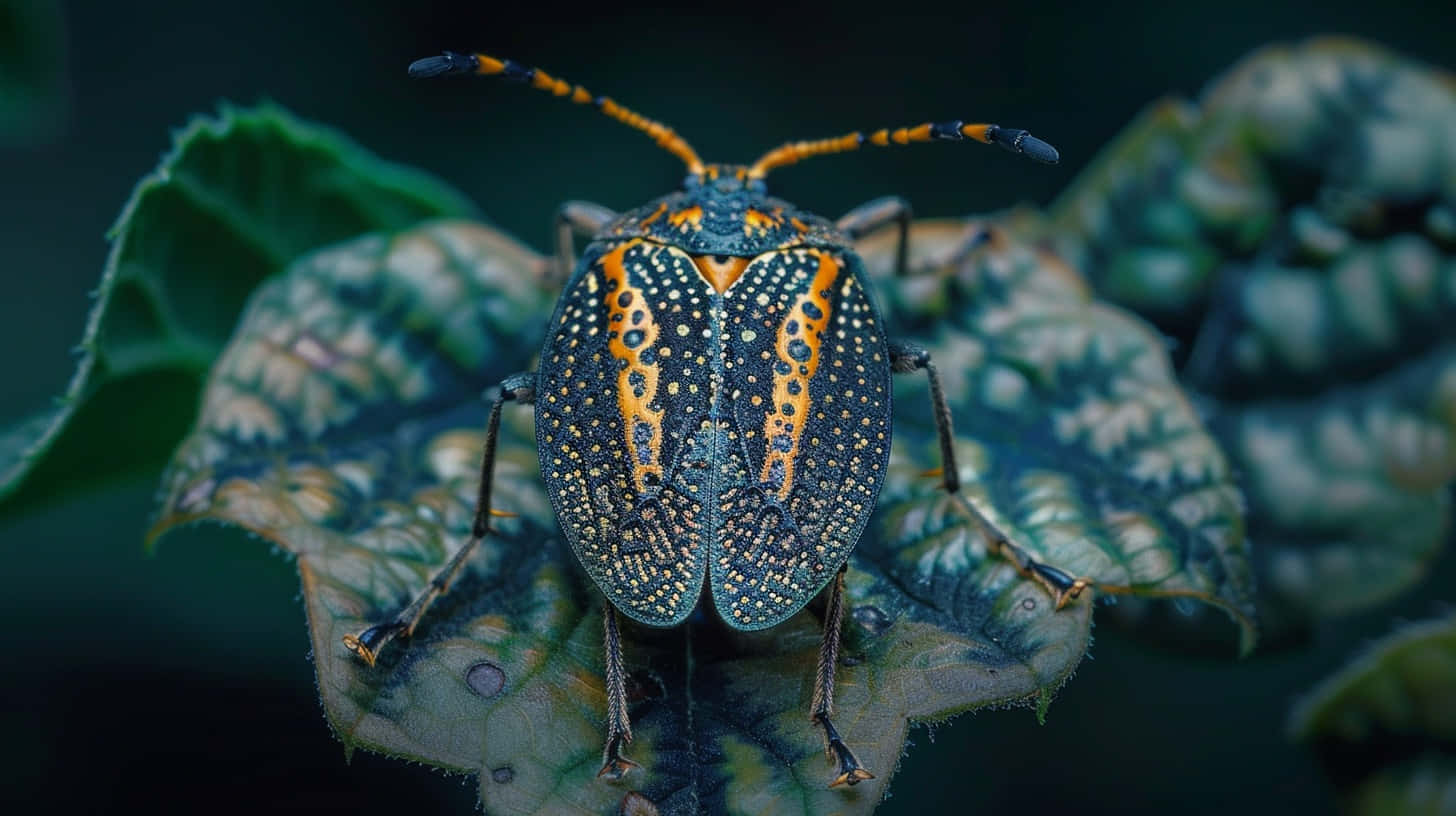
column 451, row 63
column 1017, row 141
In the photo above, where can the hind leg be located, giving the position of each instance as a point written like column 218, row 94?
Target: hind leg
column 850, row 771
column 619, row 725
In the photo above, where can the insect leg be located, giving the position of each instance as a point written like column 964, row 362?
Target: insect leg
column 1058, row 583
column 575, row 218
column 850, row 771
column 619, row 725
column 870, row 216
column 1061, row 585
column 366, row 645
column 907, row 357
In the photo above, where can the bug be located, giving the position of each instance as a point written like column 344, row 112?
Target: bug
column 713, row 400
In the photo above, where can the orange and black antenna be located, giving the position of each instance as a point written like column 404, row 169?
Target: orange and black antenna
column 453, row 63
column 1017, row 141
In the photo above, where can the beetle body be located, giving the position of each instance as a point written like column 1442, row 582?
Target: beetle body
column 713, row 401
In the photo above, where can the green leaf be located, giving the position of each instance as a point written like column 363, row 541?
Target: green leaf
column 237, row 198
column 1385, row 725
column 344, row 423
column 1295, row 233
column 1350, row 491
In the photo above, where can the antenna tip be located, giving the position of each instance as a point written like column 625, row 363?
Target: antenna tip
column 447, row 63
column 1019, row 141
column 1037, row 150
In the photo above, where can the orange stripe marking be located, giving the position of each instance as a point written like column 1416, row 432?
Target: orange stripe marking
column 637, row 382
column 692, row 215
column 980, row 133
column 656, row 214
column 811, row 334
column 760, row 221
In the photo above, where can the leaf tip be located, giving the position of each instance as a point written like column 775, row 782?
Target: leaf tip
column 1043, row 702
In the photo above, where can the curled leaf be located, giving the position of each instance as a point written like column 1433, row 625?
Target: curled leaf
column 1384, row 725
column 238, row 197
column 1295, row 233
column 1073, row 437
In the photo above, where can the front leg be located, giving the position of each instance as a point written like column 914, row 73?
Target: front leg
column 519, row 388
column 575, row 218
column 868, row 217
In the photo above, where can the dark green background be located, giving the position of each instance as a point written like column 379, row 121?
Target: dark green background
column 182, row 682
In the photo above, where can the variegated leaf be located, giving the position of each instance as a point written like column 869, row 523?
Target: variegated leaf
column 344, row 422
column 1295, row 233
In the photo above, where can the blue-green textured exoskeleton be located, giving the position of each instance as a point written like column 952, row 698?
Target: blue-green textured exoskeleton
column 713, row 400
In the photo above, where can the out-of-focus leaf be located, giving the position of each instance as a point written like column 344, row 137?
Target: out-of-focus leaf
column 344, row 423
column 237, row 198
column 1385, row 725
column 1352, row 491
column 1425, row 786
column 1295, row 233
column 1073, row 436
column 32, row 76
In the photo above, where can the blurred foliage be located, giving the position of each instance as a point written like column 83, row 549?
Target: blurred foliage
column 32, row 72
column 1385, row 725
column 343, row 422
column 1295, row 234
column 237, row 198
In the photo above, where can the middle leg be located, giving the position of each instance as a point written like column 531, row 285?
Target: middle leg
column 907, row 357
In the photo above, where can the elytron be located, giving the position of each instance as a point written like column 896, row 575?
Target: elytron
column 713, row 400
